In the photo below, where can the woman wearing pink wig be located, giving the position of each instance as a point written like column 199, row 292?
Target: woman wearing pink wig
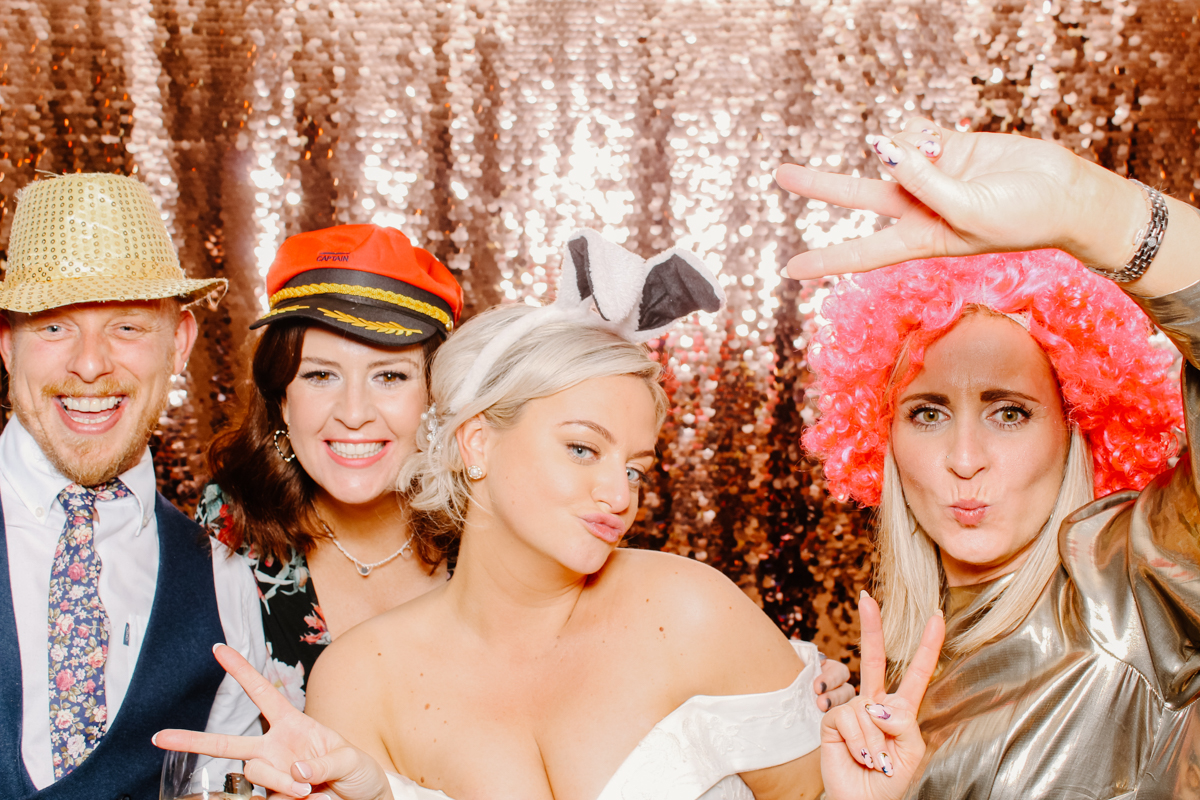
column 996, row 409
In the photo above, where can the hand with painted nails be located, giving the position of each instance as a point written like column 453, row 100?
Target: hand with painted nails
column 960, row 194
column 297, row 757
column 832, row 686
column 871, row 747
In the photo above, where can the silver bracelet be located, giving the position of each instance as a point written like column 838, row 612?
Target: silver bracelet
column 1148, row 239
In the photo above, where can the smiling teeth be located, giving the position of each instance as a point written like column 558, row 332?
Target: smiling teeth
column 356, row 450
column 90, row 404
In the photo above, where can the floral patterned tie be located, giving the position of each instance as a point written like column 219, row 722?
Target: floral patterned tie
column 78, row 631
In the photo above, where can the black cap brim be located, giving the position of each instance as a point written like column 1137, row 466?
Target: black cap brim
column 363, row 321
column 373, row 308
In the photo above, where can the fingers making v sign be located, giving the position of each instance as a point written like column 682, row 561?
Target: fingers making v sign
column 871, row 747
column 957, row 194
column 296, row 757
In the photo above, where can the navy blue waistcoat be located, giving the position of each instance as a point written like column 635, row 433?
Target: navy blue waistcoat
column 173, row 684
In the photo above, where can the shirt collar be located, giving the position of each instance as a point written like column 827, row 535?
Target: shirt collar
column 38, row 483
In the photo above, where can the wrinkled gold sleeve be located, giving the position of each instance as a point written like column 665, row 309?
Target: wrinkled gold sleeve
column 1094, row 695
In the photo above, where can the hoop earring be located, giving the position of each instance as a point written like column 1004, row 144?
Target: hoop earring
column 275, row 441
column 475, row 472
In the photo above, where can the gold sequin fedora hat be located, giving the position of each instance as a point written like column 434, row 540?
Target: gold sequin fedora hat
column 88, row 238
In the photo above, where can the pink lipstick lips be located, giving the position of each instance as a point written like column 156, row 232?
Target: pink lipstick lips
column 606, row 527
column 969, row 512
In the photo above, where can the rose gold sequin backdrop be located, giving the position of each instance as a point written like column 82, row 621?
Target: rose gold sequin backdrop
column 488, row 129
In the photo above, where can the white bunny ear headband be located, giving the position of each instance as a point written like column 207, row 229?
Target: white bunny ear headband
column 636, row 298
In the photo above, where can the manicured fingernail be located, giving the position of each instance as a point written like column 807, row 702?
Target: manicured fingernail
column 878, row 711
column 215, row 646
column 301, row 789
column 862, row 594
column 888, row 151
column 866, row 757
column 828, row 704
column 939, row 613
column 885, row 764
column 822, row 656
column 823, row 688
column 930, row 149
column 304, row 769
column 154, row 740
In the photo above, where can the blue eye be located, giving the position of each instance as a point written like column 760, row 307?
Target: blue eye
column 636, row 476
column 580, row 451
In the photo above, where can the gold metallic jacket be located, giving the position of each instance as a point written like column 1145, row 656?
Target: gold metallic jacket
column 1093, row 696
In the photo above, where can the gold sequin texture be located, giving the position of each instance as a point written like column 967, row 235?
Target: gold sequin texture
column 488, row 130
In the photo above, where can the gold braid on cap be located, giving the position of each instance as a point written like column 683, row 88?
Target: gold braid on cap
column 364, row 291
column 394, row 328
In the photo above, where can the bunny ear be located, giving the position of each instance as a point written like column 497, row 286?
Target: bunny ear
column 604, row 272
column 575, row 284
column 677, row 284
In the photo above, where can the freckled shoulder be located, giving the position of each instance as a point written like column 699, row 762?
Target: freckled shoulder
column 717, row 630
column 353, row 677
column 677, row 584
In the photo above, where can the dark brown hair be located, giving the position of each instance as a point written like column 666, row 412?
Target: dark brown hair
column 270, row 500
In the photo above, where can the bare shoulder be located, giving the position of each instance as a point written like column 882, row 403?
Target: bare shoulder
column 718, row 629
column 688, row 592
column 357, row 673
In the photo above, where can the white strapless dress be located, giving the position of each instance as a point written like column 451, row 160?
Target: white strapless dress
column 697, row 751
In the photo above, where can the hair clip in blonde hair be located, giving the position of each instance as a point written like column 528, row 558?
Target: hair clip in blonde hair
column 430, row 418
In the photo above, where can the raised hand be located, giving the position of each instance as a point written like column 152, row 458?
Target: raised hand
column 964, row 193
column 296, row 756
column 871, row 747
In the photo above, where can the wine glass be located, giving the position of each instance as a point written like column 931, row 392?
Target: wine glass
column 186, row 776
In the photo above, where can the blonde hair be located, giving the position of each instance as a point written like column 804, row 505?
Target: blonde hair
column 910, row 584
column 549, row 359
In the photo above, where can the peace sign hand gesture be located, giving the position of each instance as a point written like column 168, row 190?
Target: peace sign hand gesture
column 958, row 194
column 871, row 747
column 296, row 756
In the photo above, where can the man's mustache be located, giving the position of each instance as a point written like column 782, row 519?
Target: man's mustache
column 104, row 387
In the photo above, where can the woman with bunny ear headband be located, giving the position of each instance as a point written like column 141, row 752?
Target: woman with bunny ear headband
column 980, row 400
column 553, row 663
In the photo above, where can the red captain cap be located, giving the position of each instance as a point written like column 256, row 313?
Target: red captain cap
column 364, row 280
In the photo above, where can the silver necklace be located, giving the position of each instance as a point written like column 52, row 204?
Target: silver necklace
column 365, row 569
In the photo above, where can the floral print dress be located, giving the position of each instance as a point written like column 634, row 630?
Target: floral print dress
column 295, row 629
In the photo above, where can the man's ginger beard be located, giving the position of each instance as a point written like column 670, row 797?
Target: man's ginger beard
column 84, row 449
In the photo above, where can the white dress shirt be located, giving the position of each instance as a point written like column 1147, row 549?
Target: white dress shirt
column 126, row 536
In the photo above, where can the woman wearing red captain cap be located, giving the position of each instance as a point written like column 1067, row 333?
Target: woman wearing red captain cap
column 305, row 484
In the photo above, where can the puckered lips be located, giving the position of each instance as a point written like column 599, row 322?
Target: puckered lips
column 357, row 453
column 91, row 414
column 606, row 527
column 969, row 513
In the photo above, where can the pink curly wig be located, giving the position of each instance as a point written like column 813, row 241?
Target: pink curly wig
column 1117, row 388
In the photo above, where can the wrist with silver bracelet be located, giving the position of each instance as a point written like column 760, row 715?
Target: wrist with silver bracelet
column 1147, row 241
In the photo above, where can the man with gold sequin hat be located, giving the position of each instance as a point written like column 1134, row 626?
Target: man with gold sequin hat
column 110, row 599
